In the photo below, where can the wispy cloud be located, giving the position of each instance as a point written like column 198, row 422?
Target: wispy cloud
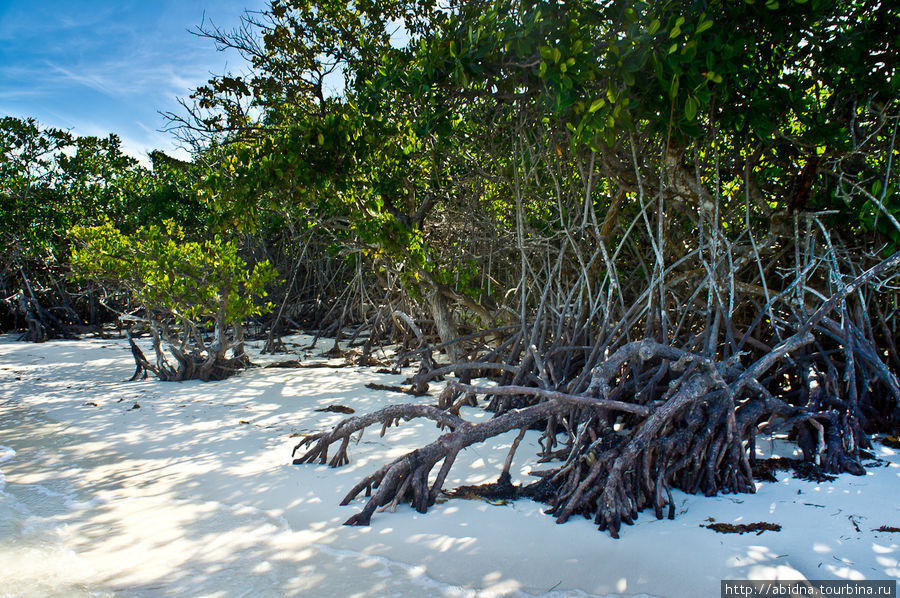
column 18, row 94
column 144, row 77
column 91, row 80
column 96, row 67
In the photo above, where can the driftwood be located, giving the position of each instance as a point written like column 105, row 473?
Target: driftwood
column 743, row 528
column 391, row 388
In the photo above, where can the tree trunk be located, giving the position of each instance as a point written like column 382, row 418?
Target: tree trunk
column 446, row 326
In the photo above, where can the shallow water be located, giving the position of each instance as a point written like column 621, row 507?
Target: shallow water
column 36, row 560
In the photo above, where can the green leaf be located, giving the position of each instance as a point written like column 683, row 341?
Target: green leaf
column 690, row 107
column 654, row 26
column 673, row 88
column 703, row 26
column 597, row 105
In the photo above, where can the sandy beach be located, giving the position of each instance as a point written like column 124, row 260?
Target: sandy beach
column 146, row 488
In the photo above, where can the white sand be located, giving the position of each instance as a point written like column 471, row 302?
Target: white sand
column 178, row 497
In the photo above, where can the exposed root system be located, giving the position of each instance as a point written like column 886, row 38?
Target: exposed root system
column 638, row 422
column 802, row 470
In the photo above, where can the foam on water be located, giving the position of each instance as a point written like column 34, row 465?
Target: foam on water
column 36, row 560
column 6, row 453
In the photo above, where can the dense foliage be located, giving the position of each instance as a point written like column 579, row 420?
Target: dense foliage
column 501, row 117
column 179, row 286
column 69, row 268
column 661, row 226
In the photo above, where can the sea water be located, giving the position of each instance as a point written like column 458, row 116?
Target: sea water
column 34, row 558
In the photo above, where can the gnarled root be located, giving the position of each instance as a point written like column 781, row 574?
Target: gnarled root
column 690, row 424
column 406, row 479
column 391, row 415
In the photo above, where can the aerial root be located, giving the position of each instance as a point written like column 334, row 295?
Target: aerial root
column 648, row 418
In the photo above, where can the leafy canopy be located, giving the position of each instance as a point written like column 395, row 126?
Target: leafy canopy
column 189, row 279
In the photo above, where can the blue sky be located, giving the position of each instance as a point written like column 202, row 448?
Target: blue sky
column 99, row 67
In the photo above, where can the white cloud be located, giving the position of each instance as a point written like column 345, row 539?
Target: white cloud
column 95, row 81
column 96, row 67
